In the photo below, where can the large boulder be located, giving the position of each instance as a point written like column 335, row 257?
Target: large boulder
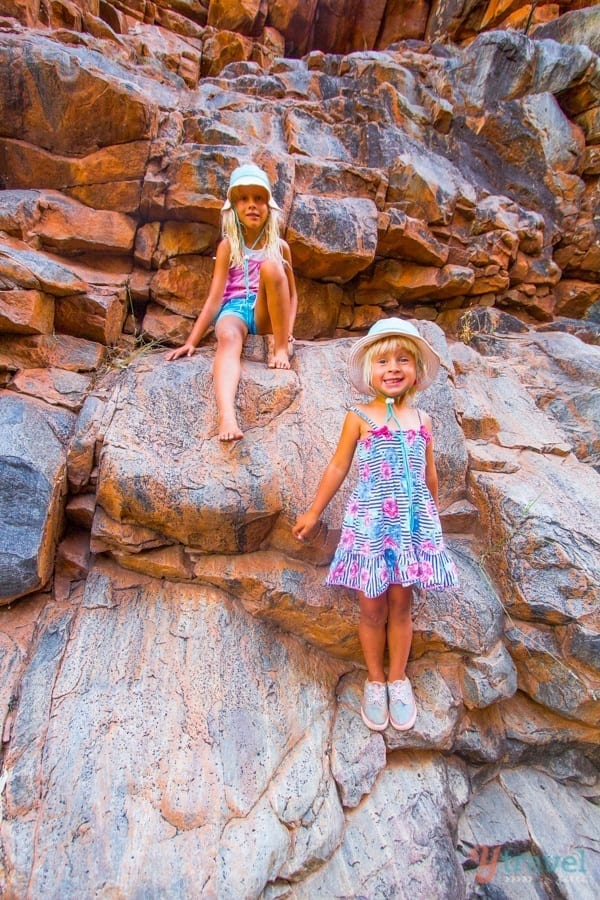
column 33, row 439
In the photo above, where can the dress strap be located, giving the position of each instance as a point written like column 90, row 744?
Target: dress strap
column 407, row 471
column 363, row 416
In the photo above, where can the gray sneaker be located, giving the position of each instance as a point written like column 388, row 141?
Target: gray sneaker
column 374, row 707
column 403, row 709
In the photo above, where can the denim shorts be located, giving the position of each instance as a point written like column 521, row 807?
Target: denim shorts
column 243, row 308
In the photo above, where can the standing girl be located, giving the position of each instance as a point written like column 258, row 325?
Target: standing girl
column 391, row 537
column 252, row 290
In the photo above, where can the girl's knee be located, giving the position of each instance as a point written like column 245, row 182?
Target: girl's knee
column 374, row 616
column 229, row 339
column 401, row 605
column 272, row 273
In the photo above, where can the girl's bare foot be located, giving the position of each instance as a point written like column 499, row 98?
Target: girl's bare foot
column 229, row 430
column 279, row 360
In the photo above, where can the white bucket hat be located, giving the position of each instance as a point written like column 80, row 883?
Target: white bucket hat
column 391, row 328
column 247, row 175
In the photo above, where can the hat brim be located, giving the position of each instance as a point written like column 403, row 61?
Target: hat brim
column 248, row 181
column 431, row 359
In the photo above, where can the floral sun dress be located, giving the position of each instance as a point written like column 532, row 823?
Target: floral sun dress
column 391, row 533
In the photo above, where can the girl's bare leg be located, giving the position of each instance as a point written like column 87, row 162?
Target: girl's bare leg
column 372, row 633
column 231, row 333
column 399, row 630
column 272, row 312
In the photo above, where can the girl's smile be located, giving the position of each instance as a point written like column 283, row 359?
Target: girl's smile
column 252, row 207
column 394, row 373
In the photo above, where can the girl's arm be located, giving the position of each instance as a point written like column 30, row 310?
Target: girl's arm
column 212, row 304
column 287, row 257
column 431, row 477
column 333, row 477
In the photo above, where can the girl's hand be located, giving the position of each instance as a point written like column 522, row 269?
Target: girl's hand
column 305, row 524
column 186, row 349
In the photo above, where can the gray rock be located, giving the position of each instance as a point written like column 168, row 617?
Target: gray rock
column 579, row 26
column 175, row 742
column 491, row 820
column 481, row 736
column 486, row 679
column 32, row 487
column 504, row 65
column 357, row 754
column 400, row 835
column 543, row 520
column 29, row 269
column 564, row 830
column 469, row 618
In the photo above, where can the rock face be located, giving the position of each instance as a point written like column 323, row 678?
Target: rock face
column 180, row 691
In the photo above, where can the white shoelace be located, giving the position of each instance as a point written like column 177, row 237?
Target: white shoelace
column 375, row 693
column 400, row 691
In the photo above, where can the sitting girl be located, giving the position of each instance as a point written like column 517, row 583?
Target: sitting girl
column 252, row 290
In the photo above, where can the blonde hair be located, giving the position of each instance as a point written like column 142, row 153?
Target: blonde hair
column 230, row 228
column 389, row 345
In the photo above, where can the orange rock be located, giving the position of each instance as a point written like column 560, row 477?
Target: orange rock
column 181, row 239
column 80, row 510
column 409, row 281
column 82, row 448
column 23, row 267
column 97, row 315
column 160, row 325
column 290, row 594
column 111, row 176
column 337, row 30
column 405, row 238
column 332, row 238
column 107, row 534
column 490, row 280
column 182, row 286
column 365, row 316
column 121, row 115
column 428, row 189
column 179, row 55
column 317, row 176
column 69, row 226
column 172, row 563
column 118, row 196
column 534, row 270
column 138, row 285
column 26, row 312
column 236, row 15
column 222, row 48
column 62, row 351
column 146, row 242
column 402, row 22
column 590, row 164
column 532, row 302
column 569, row 690
column 55, row 386
column 73, row 555
column 294, row 19
column 308, row 133
column 589, row 122
column 195, row 185
column 318, row 309
column 574, row 298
